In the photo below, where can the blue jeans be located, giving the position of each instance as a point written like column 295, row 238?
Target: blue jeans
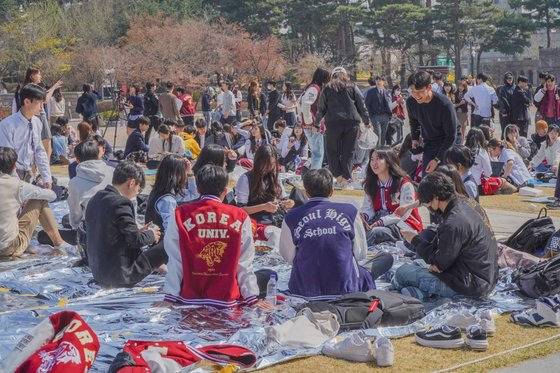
column 317, row 149
column 207, row 117
column 417, row 275
column 543, row 168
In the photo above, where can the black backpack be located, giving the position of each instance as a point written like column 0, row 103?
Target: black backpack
column 539, row 280
column 358, row 311
column 533, row 234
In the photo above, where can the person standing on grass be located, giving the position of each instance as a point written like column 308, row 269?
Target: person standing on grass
column 379, row 105
column 17, row 227
column 229, row 109
column 520, row 101
column 167, row 104
column 22, row 132
column 87, row 106
column 151, row 109
column 482, row 97
column 187, row 106
column 274, row 112
column 308, row 106
column 548, row 98
column 431, row 116
column 342, row 106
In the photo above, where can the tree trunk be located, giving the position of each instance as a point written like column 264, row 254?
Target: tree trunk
column 478, row 55
column 421, row 51
column 403, row 70
column 458, row 72
column 547, row 17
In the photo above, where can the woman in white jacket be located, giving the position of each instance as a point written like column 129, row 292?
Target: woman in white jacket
column 549, row 152
column 165, row 143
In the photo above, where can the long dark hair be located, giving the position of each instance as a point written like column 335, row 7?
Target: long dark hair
column 163, row 128
column 171, row 176
column 476, row 140
column 210, row 154
column 303, row 138
column 253, row 88
column 405, row 146
column 254, row 140
column 552, row 127
column 28, row 74
column 395, row 171
column 289, row 92
column 321, row 76
column 264, row 182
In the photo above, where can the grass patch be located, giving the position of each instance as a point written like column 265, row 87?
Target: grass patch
column 411, row 357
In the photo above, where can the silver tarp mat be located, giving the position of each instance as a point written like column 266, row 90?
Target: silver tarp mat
column 37, row 286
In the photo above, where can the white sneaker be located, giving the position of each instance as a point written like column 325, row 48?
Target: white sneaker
column 461, row 320
column 487, row 322
column 383, row 352
column 355, row 347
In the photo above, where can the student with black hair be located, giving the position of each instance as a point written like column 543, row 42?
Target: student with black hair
column 259, row 192
column 187, row 110
column 462, row 158
column 167, row 103
column 136, row 141
column 520, row 101
column 216, row 155
column 151, row 109
column 482, row 96
column 517, row 143
column 87, row 105
column 293, row 147
column 188, row 133
column 92, row 175
column 56, row 106
column 135, row 104
column 514, row 170
column 274, row 112
column 68, row 131
column 201, row 132
column 165, row 143
column 114, row 241
column 211, row 249
column 288, row 104
column 323, row 241
column 308, row 106
column 59, row 146
column 460, row 257
column 229, row 109
column 379, row 105
column 431, row 116
column 252, row 144
column 175, row 184
column 256, row 101
column 22, row 132
column 17, row 227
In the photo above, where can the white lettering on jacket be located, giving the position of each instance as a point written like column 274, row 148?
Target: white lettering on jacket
column 212, row 217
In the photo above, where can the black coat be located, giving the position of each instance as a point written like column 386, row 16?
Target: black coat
column 378, row 104
column 465, row 250
column 114, row 241
column 274, row 112
column 520, row 101
column 345, row 107
column 505, row 94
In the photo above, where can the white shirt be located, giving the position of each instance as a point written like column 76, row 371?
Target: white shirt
column 484, row 96
column 242, row 190
column 519, row 173
column 16, row 134
column 482, row 166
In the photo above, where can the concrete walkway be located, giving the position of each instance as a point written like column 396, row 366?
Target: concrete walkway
column 549, row 363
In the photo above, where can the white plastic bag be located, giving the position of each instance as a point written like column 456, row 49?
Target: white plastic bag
column 367, row 139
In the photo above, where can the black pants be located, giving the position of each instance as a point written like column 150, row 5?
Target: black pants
column 156, row 255
column 154, row 125
column 341, row 142
column 380, row 264
column 68, row 235
column 504, row 122
column 430, row 152
column 523, row 127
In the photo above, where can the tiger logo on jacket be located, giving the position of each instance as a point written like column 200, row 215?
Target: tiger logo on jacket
column 212, row 253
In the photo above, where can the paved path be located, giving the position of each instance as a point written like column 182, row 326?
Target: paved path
column 549, row 363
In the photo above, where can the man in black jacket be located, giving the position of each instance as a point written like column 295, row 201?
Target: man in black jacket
column 520, row 101
column 378, row 103
column 274, row 112
column 460, row 258
column 87, row 105
column 114, row 241
column 136, row 141
column 432, row 116
column 505, row 94
column 151, row 108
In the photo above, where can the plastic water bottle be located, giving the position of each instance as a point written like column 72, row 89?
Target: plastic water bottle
column 297, row 161
column 271, row 290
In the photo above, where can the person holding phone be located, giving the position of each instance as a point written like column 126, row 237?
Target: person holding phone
column 387, row 187
column 297, row 145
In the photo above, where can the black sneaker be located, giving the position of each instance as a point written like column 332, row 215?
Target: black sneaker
column 476, row 338
column 441, row 337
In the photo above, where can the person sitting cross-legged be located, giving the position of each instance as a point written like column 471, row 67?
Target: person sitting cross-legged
column 323, row 241
column 459, row 258
column 211, row 249
column 114, row 242
column 16, row 229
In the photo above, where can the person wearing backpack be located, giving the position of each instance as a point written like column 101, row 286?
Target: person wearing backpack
column 459, row 257
column 323, row 241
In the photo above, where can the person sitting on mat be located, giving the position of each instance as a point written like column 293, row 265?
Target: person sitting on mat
column 211, row 249
column 459, row 257
column 323, row 241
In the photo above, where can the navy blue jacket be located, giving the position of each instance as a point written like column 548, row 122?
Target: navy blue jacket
column 376, row 104
column 87, row 105
column 135, row 143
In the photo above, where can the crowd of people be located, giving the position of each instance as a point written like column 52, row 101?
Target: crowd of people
column 201, row 235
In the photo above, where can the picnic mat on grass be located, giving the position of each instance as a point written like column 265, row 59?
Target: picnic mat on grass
column 34, row 287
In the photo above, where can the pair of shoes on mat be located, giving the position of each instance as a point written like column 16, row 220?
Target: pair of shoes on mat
column 448, row 337
column 464, row 319
column 358, row 347
column 545, row 313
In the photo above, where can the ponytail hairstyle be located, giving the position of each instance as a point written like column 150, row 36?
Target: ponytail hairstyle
column 28, row 74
